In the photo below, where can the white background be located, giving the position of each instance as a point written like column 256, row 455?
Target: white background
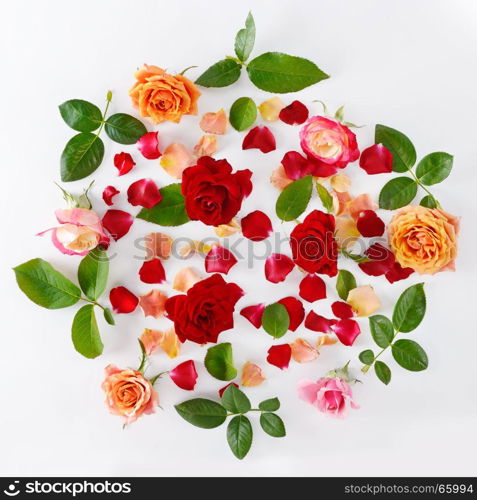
column 407, row 64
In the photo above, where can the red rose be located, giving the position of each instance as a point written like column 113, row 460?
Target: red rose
column 205, row 311
column 213, row 194
column 313, row 244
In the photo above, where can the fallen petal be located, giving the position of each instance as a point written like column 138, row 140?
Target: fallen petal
column 280, row 355
column 270, row 109
column 176, row 159
column 184, row 375
column 382, row 260
column 376, row 159
column 360, row 203
column 346, row 330
column 341, row 202
column 152, row 271
column 342, row 310
column 296, row 311
column 108, row 194
column 123, row 162
column 148, row 145
column 312, row 288
column 278, row 267
column 150, row 340
column 170, row 343
column 122, row 300
column 219, row 260
column 325, row 340
column 296, row 165
column 295, row 113
column 256, row 226
column 346, row 232
column 214, row 123
column 206, row 146
column 227, row 229
column 279, row 178
column 260, row 138
column 117, row 223
column 369, row 224
column 318, row 323
column 144, row 193
column 302, row 351
column 158, row 246
column 194, row 247
column 185, row 278
column 254, row 314
column 397, row 273
column 363, row 300
column 221, row 391
column 341, row 183
column 252, row 375
column 152, row 303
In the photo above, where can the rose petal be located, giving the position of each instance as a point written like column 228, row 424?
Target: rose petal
column 214, row 123
column 280, row 355
column 194, row 247
column 270, row 109
column 296, row 165
column 254, row 314
column 363, row 300
column 252, row 375
column 302, row 351
column 279, row 178
column 150, row 340
column 342, row 310
column 152, row 303
column 346, row 330
column 148, row 145
column 360, row 203
column 117, row 223
column 346, row 232
column 227, row 229
column 308, row 391
column 122, row 300
column 145, row 193
column 382, row 260
column 108, row 194
column 312, row 288
column 260, row 138
column 206, row 146
column 296, row 311
column 221, row 391
column 170, row 343
column 397, row 273
column 325, row 340
column 219, row 260
column 152, row 271
column 184, row 375
column 123, row 162
column 369, row 224
column 295, row 113
column 341, row 202
column 185, row 278
column 256, row 226
column 158, row 246
column 318, row 323
column 376, row 159
column 341, row 183
column 176, row 159
column 278, row 267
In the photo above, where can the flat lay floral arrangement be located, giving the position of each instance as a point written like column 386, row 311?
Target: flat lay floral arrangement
column 421, row 237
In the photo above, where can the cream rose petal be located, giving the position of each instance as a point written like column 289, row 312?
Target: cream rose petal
column 252, row 375
column 158, row 246
column 214, row 123
column 151, row 340
column 206, row 146
column 303, row 351
column 341, row 183
column 279, row 178
column 363, row 300
column 346, row 233
column 176, row 159
column 185, row 278
column 227, row 229
column 170, row 343
column 270, row 109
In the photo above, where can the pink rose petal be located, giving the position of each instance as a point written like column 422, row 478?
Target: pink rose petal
column 185, row 278
column 108, row 194
column 184, row 375
column 214, row 123
column 346, row 330
column 148, row 145
column 252, row 375
column 302, row 351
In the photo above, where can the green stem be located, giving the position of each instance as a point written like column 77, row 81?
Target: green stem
column 108, row 102
column 419, row 183
column 229, row 414
column 238, row 61
column 154, row 379
column 93, row 302
column 367, row 367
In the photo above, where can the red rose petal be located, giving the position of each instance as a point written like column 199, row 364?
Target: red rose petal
column 148, row 145
column 184, row 375
column 123, row 162
column 122, row 300
column 279, row 355
column 295, row 113
column 398, row 273
column 369, row 224
column 296, row 311
column 376, row 159
column 312, row 288
column 382, row 260
column 318, row 169
column 221, row 391
column 219, row 260
column 260, row 138
column 318, row 323
column 152, row 271
column 296, row 165
column 144, row 193
column 278, row 267
column 342, row 310
column 346, row 330
column 256, row 226
column 108, row 194
column 254, row 314
column 117, row 222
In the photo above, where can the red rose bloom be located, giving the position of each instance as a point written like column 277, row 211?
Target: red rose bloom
column 205, row 311
column 313, row 244
column 213, row 194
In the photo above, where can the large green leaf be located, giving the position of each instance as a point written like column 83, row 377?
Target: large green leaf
column 82, row 116
column 382, row 372
column 243, row 113
column 272, row 424
column 82, row 155
column 281, row 73
column 410, row 308
column 272, row 404
column 434, row 168
column 366, row 357
column 240, row 436
column 45, row 286
column 402, row 149
column 85, row 333
column 220, row 74
column 202, row 413
column 410, row 355
column 219, row 361
column 275, row 320
column 397, row 193
column 170, row 211
column 382, row 330
column 93, row 273
column 124, row 128
column 245, row 39
column 235, row 401
column 345, row 282
column 294, row 199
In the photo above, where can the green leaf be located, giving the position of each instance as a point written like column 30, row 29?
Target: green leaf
column 202, row 413
column 397, row 193
column 243, row 113
column 382, row 330
column 294, row 199
column 82, row 155
column 272, row 404
column 93, row 273
column 273, row 425
column 434, row 168
column 366, row 357
column 275, row 320
column 245, row 39
column 410, row 309
column 219, row 361
column 429, row 202
column 240, row 436
column 170, row 211
column 124, row 128
column 82, row 116
column 45, row 286
column 402, row 149
column 325, row 197
column 382, row 372
column 344, row 283
column 85, row 333
column 108, row 316
column 410, row 355
column 280, row 73
column 235, row 401
column 220, row 74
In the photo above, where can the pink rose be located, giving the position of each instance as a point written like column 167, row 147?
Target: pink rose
column 329, row 395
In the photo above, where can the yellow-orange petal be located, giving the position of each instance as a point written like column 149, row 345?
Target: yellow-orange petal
column 341, row 202
column 194, row 247
column 185, row 278
column 214, row 123
column 227, row 229
column 153, row 303
column 363, row 300
column 326, row 340
column 279, row 178
column 341, row 183
column 360, row 203
column 303, row 351
column 170, row 343
column 176, row 159
column 158, row 246
column 206, row 146
column 252, row 375
column 151, row 340
column 346, row 232
column 270, row 109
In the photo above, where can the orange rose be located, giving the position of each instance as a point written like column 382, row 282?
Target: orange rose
column 128, row 393
column 424, row 239
column 163, row 97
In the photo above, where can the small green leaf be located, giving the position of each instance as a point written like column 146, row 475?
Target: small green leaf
column 402, row 149
column 220, row 74
column 243, row 113
column 124, row 128
column 382, row 372
column 325, row 197
column 410, row 309
column 45, row 286
column 240, row 436
column 280, row 73
column 410, row 355
column 219, row 361
column 82, row 116
column 366, row 357
column 397, row 193
column 93, row 273
column 85, row 333
column 82, row 155
column 235, row 401
column 108, row 316
column 272, row 404
column 245, row 39
column 382, row 330
column 273, row 425
column 429, row 202
column 434, row 168
column 275, row 320
column 294, row 199
column 344, row 283
column 202, row 413
column 170, row 211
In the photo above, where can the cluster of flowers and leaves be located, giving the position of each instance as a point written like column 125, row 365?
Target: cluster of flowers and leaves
column 418, row 239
